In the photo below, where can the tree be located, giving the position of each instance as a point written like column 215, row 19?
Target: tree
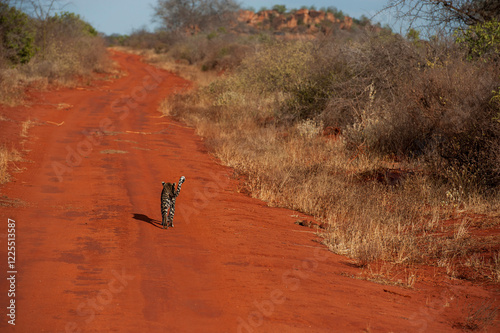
column 280, row 9
column 72, row 24
column 17, row 35
column 337, row 13
column 449, row 14
column 42, row 11
column 204, row 14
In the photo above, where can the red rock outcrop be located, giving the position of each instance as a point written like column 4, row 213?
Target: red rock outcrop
column 312, row 20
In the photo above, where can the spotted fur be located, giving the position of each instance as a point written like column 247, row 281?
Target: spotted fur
column 168, row 196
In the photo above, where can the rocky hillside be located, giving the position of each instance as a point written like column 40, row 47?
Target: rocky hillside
column 303, row 20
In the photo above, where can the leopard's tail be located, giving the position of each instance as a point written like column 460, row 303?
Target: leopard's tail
column 181, row 180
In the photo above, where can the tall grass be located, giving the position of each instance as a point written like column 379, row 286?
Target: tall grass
column 383, row 139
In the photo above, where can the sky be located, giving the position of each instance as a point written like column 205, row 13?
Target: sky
column 125, row 16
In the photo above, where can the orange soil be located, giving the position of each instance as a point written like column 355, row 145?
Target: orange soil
column 91, row 257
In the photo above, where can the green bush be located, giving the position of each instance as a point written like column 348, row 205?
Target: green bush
column 55, row 48
column 481, row 40
column 280, row 9
column 18, row 36
column 73, row 23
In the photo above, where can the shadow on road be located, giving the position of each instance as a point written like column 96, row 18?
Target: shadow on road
column 144, row 218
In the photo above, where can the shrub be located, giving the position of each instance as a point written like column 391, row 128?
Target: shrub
column 71, row 23
column 481, row 40
column 117, row 40
column 389, row 95
column 401, row 99
column 160, row 41
column 280, row 9
column 392, row 102
column 71, row 47
column 216, row 50
column 66, row 46
column 18, row 38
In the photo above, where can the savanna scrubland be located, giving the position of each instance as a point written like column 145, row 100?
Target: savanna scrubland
column 42, row 48
column 391, row 141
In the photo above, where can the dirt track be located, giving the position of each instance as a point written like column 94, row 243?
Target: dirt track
column 91, row 256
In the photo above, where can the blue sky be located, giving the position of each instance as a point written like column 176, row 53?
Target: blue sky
column 123, row 16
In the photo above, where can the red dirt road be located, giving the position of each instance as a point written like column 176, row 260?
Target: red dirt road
column 91, row 257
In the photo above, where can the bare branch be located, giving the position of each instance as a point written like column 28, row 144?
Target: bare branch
column 179, row 14
column 446, row 14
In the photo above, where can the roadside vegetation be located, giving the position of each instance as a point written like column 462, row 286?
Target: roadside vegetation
column 392, row 142
column 45, row 47
column 354, row 134
column 41, row 47
column 201, row 37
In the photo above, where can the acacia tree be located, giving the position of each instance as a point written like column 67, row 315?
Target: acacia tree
column 446, row 13
column 179, row 14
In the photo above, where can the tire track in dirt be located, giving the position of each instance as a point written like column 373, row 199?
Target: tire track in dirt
column 92, row 257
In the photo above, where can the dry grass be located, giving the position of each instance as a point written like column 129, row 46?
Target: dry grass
column 113, row 151
column 25, row 126
column 369, row 182
column 299, row 168
column 495, row 267
column 66, row 61
column 11, row 91
column 478, row 317
column 7, row 157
